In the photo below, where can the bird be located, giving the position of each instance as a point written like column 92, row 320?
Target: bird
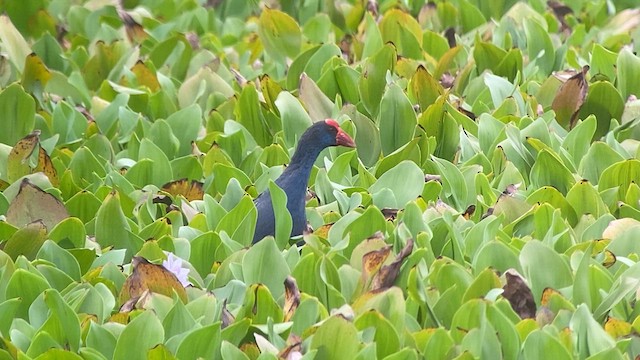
column 294, row 179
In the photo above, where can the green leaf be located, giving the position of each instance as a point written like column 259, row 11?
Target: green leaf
column 283, row 220
column 396, row 119
column 141, row 334
column 280, row 34
column 605, row 103
column 373, row 80
column 628, row 66
column 549, row 170
column 335, row 338
column 203, row 343
column 539, row 46
column 26, row 286
column 26, row 241
column 535, row 256
column 265, row 264
column 112, row 227
column 405, row 181
column 18, row 112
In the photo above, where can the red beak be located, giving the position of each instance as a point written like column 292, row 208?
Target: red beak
column 342, row 138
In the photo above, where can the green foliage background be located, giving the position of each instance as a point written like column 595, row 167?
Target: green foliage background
column 465, row 123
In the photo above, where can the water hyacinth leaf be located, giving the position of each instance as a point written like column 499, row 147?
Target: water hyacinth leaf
column 28, row 157
column 386, row 338
column 396, row 119
column 598, row 158
column 570, row 98
column 407, row 38
column 279, row 33
column 27, row 240
column 549, row 170
column 574, row 142
column 535, row 256
column 423, row 88
column 191, row 190
column 501, row 89
column 26, row 286
column 604, row 101
column 249, row 114
column 295, row 119
column 540, row 344
column 240, row 222
column 32, row 204
column 61, row 258
column 35, row 75
column 264, row 264
column 63, row 323
column 150, row 277
column 13, row 42
column 140, row 335
column 585, row 199
column 186, row 124
column 621, row 174
column 112, row 227
column 367, row 136
column 259, row 306
column 539, row 46
column 202, row 343
column 372, row 83
column 405, row 181
column 628, row 66
column 335, row 338
column 18, row 109
column 438, row 123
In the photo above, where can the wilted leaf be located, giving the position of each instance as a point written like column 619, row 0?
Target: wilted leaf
column 32, row 204
column 191, row 190
column 519, row 295
column 388, row 273
column 569, row 99
column 291, row 297
column 28, row 157
column 152, row 277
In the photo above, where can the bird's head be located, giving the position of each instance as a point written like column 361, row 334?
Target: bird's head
column 329, row 133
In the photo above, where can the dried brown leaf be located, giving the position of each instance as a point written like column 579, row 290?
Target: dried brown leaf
column 570, row 97
column 387, row 275
column 519, row 295
column 151, row 277
column 32, row 203
column 291, row 297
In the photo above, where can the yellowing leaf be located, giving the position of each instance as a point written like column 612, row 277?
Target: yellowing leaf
column 191, row 190
column 145, row 76
column 152, row 277
column 35, row 75
column 27, row 157
column 617, row 328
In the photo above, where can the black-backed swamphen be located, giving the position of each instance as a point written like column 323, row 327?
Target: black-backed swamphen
column 295, row 177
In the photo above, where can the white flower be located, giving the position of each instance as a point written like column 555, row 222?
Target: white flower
column 174, row 264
